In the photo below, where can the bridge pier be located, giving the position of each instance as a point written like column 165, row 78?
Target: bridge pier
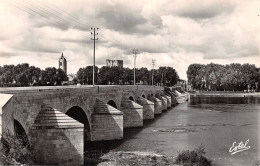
column 57, row 139
column 173, row 99
column 133, row 113
column 164, row 102
column 148, row 107
column 4, row 109
column 169, row 103
column 107, row 122
column 157, row 105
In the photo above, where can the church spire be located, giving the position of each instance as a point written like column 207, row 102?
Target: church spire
column 63, row 63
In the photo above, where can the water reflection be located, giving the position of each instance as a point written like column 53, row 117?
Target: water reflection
column 224, row 100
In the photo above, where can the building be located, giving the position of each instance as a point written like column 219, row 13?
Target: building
column 181, row 85
column 63, row 63
column 111, row 63
column 71, row 77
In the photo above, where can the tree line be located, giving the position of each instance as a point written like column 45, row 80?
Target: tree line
column 231, row 77
column 26, row 75
column 115, row 75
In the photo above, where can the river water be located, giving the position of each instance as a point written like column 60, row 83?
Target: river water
column 216, row 123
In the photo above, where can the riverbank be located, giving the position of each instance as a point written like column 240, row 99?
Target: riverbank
column 133, row 158
column 224, row 94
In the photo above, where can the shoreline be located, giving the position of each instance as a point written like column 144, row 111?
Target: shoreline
column 225, row 94
column 133, row 158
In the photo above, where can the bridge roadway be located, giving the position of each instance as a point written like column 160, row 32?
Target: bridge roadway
column 58, row 119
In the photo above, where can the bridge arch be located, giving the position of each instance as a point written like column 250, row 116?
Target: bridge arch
column 20, row 132
column 112, row 103
column 131, row 98
column 79, row 114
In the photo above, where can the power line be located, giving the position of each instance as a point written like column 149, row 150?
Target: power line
column 50, row 14
column 64, row 12
column 35, row 10
column 44, row 14
column 32, row 12
column 74, row 18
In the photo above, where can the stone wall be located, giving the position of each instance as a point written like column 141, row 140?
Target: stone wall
column 157, row 104
column 148, row 107
column 6, row 110
column 132, row 113
column 57, row 139
column 169, row 101
column 107, row 122
column 164, row 103
column 173, row 99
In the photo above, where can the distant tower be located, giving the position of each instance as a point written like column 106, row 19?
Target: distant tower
column 111, row 63
column 63, row 63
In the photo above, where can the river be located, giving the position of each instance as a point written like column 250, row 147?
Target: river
column 214, row 122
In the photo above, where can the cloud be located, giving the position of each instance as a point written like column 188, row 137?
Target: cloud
column 8, row 54
column 205, row 9
column 121, row 18
column 174, row 32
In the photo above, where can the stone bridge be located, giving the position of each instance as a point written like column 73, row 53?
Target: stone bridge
column 58, row 120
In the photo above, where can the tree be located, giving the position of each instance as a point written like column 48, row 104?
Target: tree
column 167, row 75
column 116, row 75
column 53, row 76
column 33, row 74
column 48, row 75
column 219, row 77
column 194, row 76
column 85, row 75
column 142, row 74
column 7, row 73
column 60, row 76
column 127, row 76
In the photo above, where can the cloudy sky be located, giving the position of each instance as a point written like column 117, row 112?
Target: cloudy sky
column 175, row 32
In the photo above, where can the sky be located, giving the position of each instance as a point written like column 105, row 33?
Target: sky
column 175, row 33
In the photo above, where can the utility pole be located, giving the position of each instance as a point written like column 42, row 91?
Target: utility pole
column 162, row 80
column 135, row 52
column 94, row 39
column 153, row 63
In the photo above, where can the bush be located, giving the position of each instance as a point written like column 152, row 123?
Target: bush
column 193, row 158
column 16, row 148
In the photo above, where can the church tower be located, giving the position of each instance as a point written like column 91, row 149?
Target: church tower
column 63, row 63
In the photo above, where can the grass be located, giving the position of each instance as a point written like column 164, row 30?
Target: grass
column 15, row 150
column 133, row 158
column 193, row 157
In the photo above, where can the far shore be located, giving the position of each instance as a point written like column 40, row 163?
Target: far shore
column 225, row 94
